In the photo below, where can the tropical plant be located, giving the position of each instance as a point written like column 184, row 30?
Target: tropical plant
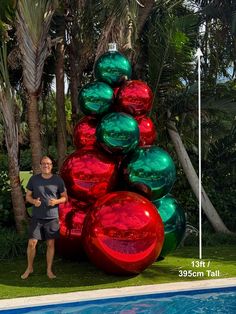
column 32, row 23
column 8, row 111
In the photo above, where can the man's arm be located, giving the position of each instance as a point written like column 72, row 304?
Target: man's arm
column 63, row 198
column 29, row 198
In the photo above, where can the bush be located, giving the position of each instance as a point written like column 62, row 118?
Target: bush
column 3, row 163
column 13, row 245
column 209, row 238
column 6, row 213
column 25, row 160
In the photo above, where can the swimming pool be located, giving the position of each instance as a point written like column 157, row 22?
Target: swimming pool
column 214, row 300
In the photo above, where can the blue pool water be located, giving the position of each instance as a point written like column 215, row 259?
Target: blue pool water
column 218, row 300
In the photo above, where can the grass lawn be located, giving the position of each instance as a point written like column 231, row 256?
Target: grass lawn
column 80, row 276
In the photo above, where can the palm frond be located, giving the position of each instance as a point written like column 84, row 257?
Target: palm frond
column 118, row 25
column 33, row 20
column 7, row 102
column 170, row 49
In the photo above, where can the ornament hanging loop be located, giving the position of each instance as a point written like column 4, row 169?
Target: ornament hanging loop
column 112, row 47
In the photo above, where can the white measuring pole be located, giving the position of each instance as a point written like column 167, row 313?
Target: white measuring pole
column 199, row 55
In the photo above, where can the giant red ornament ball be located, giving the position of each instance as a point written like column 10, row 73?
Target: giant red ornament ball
column 71, row 218
column 89, row 174
column 85, row 132
column 147, row 130
column 123, row 233
column 134, row 97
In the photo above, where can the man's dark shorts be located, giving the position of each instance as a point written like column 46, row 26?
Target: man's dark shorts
column 44, row 229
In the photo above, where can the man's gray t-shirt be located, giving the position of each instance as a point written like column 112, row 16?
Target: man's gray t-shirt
column 45, row 189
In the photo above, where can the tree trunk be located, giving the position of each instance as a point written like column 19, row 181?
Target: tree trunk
column 192, row 177
column 18, row 202
column 73, row 81
column 34, row 132
column 11, row 139
column 144, row 13
column 60, row 105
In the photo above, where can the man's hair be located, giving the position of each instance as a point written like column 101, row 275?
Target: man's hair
column 46, row 157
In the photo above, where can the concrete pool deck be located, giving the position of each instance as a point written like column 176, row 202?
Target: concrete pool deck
column 115, row 292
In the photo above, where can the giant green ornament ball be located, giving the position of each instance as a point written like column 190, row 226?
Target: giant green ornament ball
column 174, row 221
column 150, row 171
column 118, row 133
column 112, row 67
column 95, row 98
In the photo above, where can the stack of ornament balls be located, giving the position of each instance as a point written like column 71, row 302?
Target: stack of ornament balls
column 119, row 210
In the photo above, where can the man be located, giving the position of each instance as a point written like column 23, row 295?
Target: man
column 45, row 191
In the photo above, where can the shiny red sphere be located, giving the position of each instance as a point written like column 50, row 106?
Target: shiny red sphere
column 123, row 233
column 89, row 174
column 71, row 219
column 85, row 132
column 134, row 97
column 147, row 130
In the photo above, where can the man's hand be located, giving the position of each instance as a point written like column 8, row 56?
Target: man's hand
column 53, row 202
column 37, row 202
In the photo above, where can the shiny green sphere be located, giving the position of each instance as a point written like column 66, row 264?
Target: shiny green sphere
column 118, row 133
column 112, row 67
column 150, row 171
column 174, row 221
column 95, row 98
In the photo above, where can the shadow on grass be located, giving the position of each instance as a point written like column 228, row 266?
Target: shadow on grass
column 81, row 275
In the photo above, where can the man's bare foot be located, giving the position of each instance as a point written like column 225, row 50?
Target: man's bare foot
column 26, row 274
column 51, row 275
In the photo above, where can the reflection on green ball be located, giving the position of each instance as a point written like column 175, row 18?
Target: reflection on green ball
column 118, row 133
column 95, row 98
column 150, row 171
column 112, row 67
column 174, row 221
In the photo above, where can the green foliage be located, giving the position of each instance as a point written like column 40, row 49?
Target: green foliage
column 3, row 162
column 7, row 13
column 49, row 121
column 170, row 39
column 184, row 195
column 25, row 160
column 6, row 213
column 13, row 245
column 210, row 239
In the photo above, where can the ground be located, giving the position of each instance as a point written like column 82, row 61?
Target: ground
column 183, row 265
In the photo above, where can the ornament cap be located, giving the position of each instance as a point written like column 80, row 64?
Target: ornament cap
column 112, row 47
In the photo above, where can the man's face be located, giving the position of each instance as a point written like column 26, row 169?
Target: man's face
column 46, row 166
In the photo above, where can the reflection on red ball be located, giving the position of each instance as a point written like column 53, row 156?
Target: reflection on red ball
column 88, row 174
column 123, row 233
column 147, row 131
column 71, row 219
column 116, row 90
column 135, row 97
column 84, row 132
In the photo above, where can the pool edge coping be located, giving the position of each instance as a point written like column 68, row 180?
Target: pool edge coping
column 61, row 298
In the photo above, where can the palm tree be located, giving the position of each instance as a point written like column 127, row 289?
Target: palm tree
column 169, row 45
column 8, row 109
column 32, row 23
column 80, row 45
column 58, row 34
